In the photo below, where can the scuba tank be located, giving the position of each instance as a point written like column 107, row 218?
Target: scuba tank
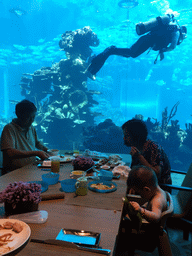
column 144, row 27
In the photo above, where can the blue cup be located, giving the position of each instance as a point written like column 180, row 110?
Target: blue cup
column 68, row 185
column 50, row 178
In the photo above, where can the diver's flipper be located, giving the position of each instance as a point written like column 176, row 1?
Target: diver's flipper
column 98, row 62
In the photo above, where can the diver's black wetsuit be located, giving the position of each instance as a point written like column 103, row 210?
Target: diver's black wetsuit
column 157, row 40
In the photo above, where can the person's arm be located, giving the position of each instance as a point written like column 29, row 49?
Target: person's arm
column 151, row 216
column 38, row 144
column 175, row 38
column 16, row 154
column 172, row 46
column 136, row 153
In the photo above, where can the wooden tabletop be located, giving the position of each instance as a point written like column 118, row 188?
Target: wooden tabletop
column 94, row 212
column 109, row 201
column 61, row 216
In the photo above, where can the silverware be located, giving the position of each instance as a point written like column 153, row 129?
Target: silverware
column 88, row 170
column 72, row 245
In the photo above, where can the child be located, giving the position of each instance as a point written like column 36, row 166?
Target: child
column 143, row 181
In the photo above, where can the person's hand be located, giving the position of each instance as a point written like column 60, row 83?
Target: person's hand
column 136, row 206
column 131, row 191
column 43, row 155
column 134, row 151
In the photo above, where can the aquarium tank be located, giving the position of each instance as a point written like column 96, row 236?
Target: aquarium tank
column 46, row 48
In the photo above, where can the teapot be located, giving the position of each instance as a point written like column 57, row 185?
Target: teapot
column 81, row 186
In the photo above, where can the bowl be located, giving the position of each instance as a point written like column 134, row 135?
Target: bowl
column 50, row 178
column 77, row 174
column 68, row 185
column 53, row 152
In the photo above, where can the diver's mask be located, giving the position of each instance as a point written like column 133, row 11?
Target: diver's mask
column 183, row 34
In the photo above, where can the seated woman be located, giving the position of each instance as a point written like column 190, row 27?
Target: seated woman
column 146, row 152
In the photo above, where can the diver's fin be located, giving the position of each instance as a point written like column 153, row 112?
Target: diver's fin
column 98, row 62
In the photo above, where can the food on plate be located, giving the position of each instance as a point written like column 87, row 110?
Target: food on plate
column 101, row 186
column 5, row 239
column 105, row 167
column 103, row 161
column 8, row 225
column 77, row 172
column 17, row 227
column 121, row 169
column 111, row 161
column 68, row 159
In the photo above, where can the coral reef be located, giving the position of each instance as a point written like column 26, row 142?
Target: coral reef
column 76, row 43
column 60, row 92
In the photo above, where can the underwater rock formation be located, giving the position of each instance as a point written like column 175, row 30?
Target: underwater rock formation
column 105, row 137
column 76, row 43
column 60, row 91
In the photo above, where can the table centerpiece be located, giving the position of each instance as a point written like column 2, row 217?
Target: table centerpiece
column 83, row 163
column 21, row 197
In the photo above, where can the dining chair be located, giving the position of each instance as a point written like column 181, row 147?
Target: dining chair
column 182, row 201
column 148, row 242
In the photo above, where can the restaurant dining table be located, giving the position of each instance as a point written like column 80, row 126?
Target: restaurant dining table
column 96, row 212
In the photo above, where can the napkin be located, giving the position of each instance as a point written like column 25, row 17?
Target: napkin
column 122, row 169
column 46, row 163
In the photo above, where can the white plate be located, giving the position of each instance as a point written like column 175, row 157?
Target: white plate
column 18, row 238
column 47, row 164
column 66, row 159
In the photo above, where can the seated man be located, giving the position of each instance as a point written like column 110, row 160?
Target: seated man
column 143, row 181
column 146, row 152
column 19, row 139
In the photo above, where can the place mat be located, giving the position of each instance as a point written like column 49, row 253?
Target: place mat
column 107, row 201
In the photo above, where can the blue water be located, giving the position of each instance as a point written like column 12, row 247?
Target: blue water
column 29, row 40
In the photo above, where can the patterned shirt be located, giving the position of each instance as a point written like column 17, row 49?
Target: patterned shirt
column 155, row 156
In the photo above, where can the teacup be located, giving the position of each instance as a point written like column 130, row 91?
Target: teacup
column 81, row 186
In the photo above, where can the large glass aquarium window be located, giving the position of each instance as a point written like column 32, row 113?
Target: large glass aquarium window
column 46, row 48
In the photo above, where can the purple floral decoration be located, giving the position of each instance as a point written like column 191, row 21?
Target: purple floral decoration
column 21, row 192
column 83, row 163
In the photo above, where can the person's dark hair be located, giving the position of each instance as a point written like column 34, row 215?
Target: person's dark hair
column 137, row 130
column 24, row 108
column 142, row 176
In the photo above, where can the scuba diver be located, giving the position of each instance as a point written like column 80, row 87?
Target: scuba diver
column 164, row 34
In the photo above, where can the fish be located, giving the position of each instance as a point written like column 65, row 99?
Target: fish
column 17, row 11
